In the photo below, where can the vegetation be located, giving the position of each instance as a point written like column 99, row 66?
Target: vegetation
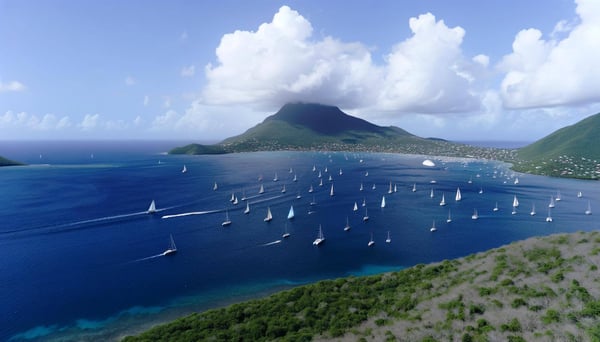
column 8, row 162
column 506, row 294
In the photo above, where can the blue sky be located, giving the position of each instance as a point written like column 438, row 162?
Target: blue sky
column 203, row 71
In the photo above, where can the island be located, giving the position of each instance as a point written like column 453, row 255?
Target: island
column 8, row 162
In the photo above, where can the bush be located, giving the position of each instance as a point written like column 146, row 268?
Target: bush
column 513, row 326
column 551, row 316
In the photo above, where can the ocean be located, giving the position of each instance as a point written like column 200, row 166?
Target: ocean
column 82, row 259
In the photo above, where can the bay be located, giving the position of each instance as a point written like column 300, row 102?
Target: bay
column 81, row 258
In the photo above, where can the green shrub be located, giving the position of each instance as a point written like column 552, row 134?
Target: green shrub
column 513, row 326
column 551, row 316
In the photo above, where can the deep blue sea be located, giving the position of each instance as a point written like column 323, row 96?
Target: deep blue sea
column 81, row 259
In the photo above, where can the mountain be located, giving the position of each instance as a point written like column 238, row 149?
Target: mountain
column 8, row 162
column 309, row 126
column 539, row 289
column 571, row 151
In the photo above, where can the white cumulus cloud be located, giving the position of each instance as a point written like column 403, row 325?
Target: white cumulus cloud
column 555, row 72
column 89, row 122
column 281, row 62
column 11, row 86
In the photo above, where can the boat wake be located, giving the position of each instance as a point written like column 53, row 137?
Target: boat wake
column 150, row 257
column 270, row 243
column 190, row 214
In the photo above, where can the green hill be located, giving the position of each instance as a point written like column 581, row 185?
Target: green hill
column 571, row 151
column 305, row 126
column 540, row 289
column 8, row 162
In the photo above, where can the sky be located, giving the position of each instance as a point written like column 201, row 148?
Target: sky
column 508, row 70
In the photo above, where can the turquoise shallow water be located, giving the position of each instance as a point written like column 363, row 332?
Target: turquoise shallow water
column 81, row 258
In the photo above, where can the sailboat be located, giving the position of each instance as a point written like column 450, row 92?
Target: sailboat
column 579, row 194
column 361, row 187
column 389, row 239
column 262, row 189
column 366, row 217
column 285, row 232
column 341, row 173
column 227, row 220
column 551, row 205
column 449, row 219
column 326, row 169
column 184, row 170
column 313, row 201
column 310, row 190
column 275, row 179
column 247, row 210
column 588, row 211
column 390, row 190
column 480, row 191
column 314, row 168
column 458, row 195
column 291, row 170
column 431, row 193
column 152, row 208
column 364, row 203
column 283, row 189
column 517, row 180
column 269, row 216
column 331, row 191
column 291, row 213
column 532, row 213
column 475, row 216
column 373, row 187
column 383, row 202
column 549, row 217
column 320, row 237
column 320, row 174
column 232, row 197
column 395, row 187
column 235, row 200
column 330, row 178
column 321, row 182
column 558, row 198
column 443, row 201
column 172, row 249
column 366, row 173
column 355, row 207
column 414, row 189
column 371, row 242
column 347, row 227
column 295, row 178
column 433, row 228
column 515, row 205
column 496, row 207
column 215, row 187
column 243, row 195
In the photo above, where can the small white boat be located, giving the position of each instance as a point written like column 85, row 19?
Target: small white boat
column 579, row 194
column 395, row 187
column 151, row 208
column 275, row 179
column 320, row 237
column 443, row 201
column 355, row 208
column 261, row 190
column 449, row 219
column 298, row 196
column 215, row 186
column 291, row 170
column 247, row 210
column 480, row 191
column 291, row 213
column 516, row 180
column 320, row 174
column 331, row 190
column 367, row 174
column 390, row 190
column 389, row 239
column 285, row 232
column 558, row 198
column 371, row 242
column 313, row 201
column 184, row 170
column 295, row 178
column 373, row 187
column 496, row 207
column 314, row 168
column 341, row 173
column 532, row 212
column 347, row 227
column 366, row 217
column 326, row 170
column 361, row 187
column 232, row 197
column 172, row 249
column 470, row 181
column 283, row 189
column 433, row 228
column 475, row 216
column 431, row 195
column 383, row 201
column 364, row 203
column 414, row 189
column 235, row 200
column 321, row 182
column 458, row 195
column 269, row 217
column 227, row 220
column 588, row 211
column 330, row 178
column 551, row 204
column 310, row 190
column 549, row 217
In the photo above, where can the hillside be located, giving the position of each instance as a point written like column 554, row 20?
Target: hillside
column 305, row 126
column 7, row 162
column 540, row 289
column 571, row 151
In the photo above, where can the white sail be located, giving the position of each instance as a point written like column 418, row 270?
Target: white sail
column 431, row 193
column 295, row 178
column 549, row 217
column 395, row 188
column 184, row 170
column 235, row 200
column 232, row 197
column 364, row 203
column 532, row 213
column 291, row 213
column 247, row 210
column 215, row 187
column 366, row 217
column 347, row 227
column 361, row 187
column 390, row 190
column 320, row 237
column 285, row 232
column 588, row 211
column 558, row 198
column 517, row 180
column 319, row 174
column 152, row 208
column 330, row 178
column 172, row 249
column 310, row 190
column 475, row 216
column 341, row 173
column 227, row 220
column 355, row 207
column 269, row 216
column 283, row 189
column 449, row 219
column 313, row 201
column 383, row 201
column 321, row 182
column 373, row 187
column 389, row 239
column 314, row 168
column 275, row 179
column 331, row 191
column 414, row 189
column 262, row 189
column 579, row 194
column 551, row 205
column 433, row 228
column 443, row 201
column 371, row 242
column 458, row 195
column 496, row 207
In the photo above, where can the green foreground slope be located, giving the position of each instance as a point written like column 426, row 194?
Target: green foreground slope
column 540, row 289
